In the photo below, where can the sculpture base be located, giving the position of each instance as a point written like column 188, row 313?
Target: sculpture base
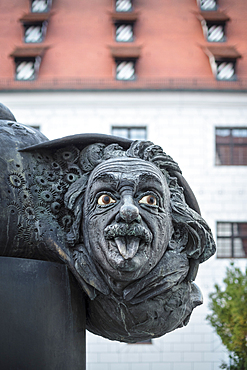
column 42, row 316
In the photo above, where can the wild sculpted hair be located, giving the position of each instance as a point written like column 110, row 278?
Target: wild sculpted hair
column 190, row 229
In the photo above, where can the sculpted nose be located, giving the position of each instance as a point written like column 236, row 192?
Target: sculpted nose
column 128, row 211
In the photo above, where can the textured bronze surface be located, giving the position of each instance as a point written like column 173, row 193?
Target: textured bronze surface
column 118, row 213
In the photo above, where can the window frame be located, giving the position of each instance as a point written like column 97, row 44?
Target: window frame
column 129, row 128
column 231, row 145
column 231, row 237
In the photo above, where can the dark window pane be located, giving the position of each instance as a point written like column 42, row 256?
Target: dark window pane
column 240, row 133
column 224, row 248
column 241, row 229
column 133, row 133
column 225, row 71
column 223, row 155
column 123, row 5
column 121, row 132
column 231, row 239
column 208, row 4
column 223, row 136
column 125, row 70
column 124, row 33
column 216, row 33
column 138, row 134
column 224, row 229
column 238, row 247
column 40, row 6
column 239, row 155
column 231, row 146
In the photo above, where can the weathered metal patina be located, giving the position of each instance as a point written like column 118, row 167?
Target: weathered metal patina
column 118, row 213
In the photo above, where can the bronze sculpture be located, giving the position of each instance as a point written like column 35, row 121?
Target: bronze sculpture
column 121, row 216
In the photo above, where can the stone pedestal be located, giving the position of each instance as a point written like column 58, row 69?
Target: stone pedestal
column 42, row 317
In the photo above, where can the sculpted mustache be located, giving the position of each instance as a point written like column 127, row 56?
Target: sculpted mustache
column 137, row 230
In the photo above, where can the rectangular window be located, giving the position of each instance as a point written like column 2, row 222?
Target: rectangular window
column 125, row 70
column 231, row 239
column 123, row 5
column 27, row 68
column 225, row 70
column 40, row 6
column 124, row 32
column 215, row 32
column 208, row 4
column 130, row 132
column 231, row 146
column 35, row 33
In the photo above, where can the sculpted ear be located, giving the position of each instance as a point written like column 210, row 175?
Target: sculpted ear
column 192, row 233
column 188, row 193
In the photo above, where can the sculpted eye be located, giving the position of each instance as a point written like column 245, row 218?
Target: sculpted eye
column 149, row 199
column 105, row 200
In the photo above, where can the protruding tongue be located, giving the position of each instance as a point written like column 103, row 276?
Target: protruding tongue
column 127, row 246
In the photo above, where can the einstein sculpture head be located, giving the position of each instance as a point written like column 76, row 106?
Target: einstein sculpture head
column 119, row 214
column 127, row 217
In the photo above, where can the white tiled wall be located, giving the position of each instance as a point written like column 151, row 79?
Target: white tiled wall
column 183, row 124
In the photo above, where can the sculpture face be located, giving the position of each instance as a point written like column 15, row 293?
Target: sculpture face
column 127, row 221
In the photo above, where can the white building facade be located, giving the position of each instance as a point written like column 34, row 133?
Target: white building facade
column 184, row 123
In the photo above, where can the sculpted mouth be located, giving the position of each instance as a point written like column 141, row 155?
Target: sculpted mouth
column 127, row 246
column 128, row 238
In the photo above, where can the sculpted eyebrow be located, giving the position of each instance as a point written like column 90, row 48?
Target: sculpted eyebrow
column 149, row 177
column 105, row 177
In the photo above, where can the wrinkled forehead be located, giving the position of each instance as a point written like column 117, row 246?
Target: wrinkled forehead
column 128, row 167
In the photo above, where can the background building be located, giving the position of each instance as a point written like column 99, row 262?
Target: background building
column 174, row 72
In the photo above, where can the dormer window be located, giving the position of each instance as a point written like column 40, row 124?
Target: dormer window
column 35, row 26
column 40, row 6
column 125, row 57
column 213, row 25
column 27, row 62
column 223, row 61
column 124, row 5
column 124, row 25
column 207, row 4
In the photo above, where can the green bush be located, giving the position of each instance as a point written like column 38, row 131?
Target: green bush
column 229, row 316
